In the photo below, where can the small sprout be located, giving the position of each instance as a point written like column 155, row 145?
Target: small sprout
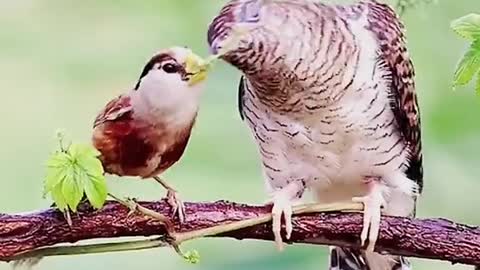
column 192, row 256
column 197, row 66
column 201, row 66
column 60, row 135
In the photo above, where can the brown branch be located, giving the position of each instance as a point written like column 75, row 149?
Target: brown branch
column 426, row 238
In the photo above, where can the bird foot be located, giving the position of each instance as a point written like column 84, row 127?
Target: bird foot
column 282, row 205
column 372, row 205
column 178, row 207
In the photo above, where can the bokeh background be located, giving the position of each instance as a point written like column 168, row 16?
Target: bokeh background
column 62, row 60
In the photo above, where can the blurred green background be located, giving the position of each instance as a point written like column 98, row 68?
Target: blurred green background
column 62, row 60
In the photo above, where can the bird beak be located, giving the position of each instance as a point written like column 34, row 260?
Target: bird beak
column 197, row 68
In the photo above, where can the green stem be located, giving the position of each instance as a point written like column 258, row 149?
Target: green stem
column 331, row 207
column 237, row 225
column 92, row 248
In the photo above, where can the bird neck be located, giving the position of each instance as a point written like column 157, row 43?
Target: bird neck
column 170, row 111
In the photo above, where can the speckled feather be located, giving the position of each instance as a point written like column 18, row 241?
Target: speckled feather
column 393, row 55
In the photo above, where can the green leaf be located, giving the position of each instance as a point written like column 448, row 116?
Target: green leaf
column 56, row 166
column 91, row 165
column 468, row 66
column 58, row 198
column 85, row 157
column 467, row 26
column 94, row 182
column 54, row 178
column 58, row 159
column 96, row 190
column 83, row 150
column 72, row 187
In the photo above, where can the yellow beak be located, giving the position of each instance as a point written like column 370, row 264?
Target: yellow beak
column 196, row 66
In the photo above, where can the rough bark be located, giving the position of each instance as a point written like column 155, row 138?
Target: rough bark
column 426, row 238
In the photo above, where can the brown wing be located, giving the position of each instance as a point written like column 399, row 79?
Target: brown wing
column 114, row 110
column 393, row 55
column 116, row 136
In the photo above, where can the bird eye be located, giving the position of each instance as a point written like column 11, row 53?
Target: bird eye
column 169, row 68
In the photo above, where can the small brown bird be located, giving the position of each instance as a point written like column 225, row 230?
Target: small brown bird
column 146, row 130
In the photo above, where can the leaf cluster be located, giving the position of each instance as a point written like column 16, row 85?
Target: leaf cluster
column 73, row 173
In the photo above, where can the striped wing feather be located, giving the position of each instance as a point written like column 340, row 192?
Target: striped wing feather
column 388, row 29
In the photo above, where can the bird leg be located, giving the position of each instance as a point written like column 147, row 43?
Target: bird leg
column 282, row 201
column 372, row 205
column 173, row 199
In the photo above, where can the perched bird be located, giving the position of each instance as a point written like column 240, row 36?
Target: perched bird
column 146, row 130
column 328, row 92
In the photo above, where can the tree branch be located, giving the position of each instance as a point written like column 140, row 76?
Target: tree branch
column 23, row 235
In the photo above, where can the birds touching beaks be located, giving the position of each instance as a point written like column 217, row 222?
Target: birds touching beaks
column 144, row 131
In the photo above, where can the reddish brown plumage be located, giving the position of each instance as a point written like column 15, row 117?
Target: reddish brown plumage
column 133, row 146
column 145, row 131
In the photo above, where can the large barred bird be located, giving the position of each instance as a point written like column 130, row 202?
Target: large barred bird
column 328, row 92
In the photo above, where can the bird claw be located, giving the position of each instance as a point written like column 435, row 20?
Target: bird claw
column 132, row 205
column 372, row 205
column 178, row 207
column 282, row 205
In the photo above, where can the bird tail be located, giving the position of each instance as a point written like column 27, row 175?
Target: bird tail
column 355, row 259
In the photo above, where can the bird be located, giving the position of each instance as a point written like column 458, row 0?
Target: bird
column 328, row 92
column 145, row 131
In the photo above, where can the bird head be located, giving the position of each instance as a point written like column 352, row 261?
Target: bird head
column 261, row 38
column 173, row 70
column 237, row 33
column 171, row 83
